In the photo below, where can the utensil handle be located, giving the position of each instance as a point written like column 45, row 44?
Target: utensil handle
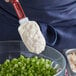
column 19, row 11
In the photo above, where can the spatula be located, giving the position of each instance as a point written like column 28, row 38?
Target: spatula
column 29, row 30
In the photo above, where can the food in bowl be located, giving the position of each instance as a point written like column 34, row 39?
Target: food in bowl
column 24, row 66
column 72, row 60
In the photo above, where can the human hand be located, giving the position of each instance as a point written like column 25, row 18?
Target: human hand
column 12, row 1
column 7, row 0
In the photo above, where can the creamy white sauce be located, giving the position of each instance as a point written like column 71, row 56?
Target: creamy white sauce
column 32, row 37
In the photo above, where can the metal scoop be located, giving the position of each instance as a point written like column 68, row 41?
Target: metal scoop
column 29, row 30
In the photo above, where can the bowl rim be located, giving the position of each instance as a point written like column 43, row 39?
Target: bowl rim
column 20, row 41
column 57, row 59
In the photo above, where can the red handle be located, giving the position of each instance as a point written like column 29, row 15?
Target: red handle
column 19, row 11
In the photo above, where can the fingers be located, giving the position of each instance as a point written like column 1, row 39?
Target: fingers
column 7, row 0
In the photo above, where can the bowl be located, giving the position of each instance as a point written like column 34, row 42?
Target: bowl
column 71, row 61
column 13, row 49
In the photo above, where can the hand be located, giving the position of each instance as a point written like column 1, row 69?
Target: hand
column 7, row 0
column 12, row 1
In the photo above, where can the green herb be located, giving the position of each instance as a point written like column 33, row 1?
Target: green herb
column 24, row 66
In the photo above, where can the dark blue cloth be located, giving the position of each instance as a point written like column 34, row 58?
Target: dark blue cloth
column 56, row 18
